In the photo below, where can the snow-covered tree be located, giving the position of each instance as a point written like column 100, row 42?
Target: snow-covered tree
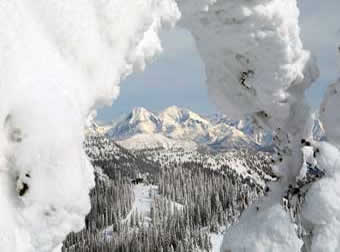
column 60, row 59
column 255, row 64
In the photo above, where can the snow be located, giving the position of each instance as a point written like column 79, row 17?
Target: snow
column 144, row 197
column 177, row 127
column 174, row 114
column 321, row 210
column 260, row 38
column 265, row 230
column 256, row 65
column 143, row 201
column 59, row 60
column 216, row 241
column 155, row 141
column 322, row 204
column 235, row 160
column 142, row 205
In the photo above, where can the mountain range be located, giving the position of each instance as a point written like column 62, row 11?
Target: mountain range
column 177, row 127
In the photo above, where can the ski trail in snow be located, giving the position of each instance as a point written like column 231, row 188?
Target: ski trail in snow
column 143, row 201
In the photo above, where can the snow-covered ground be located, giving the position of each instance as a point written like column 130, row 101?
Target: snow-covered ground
column 142, row 205
column 143, row 201
column 216, row 241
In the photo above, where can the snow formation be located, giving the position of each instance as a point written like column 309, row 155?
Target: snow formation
column 59, row 60
column 252, row 52
column 256, row 64
column 266, row 227
column 322, row 205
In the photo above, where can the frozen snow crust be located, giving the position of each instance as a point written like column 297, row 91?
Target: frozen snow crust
column 60, row 59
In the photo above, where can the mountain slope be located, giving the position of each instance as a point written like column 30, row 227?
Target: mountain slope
column 155, row 141
column 114, row 159
column 246, row 125
column 139, row 121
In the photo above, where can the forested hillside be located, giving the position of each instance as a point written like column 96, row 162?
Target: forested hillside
column 187, row 201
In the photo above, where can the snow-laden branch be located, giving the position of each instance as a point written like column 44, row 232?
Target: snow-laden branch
column 255, row 64
column 254, row 61
column 59, row 59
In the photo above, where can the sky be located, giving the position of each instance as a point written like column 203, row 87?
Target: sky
column 177, row 76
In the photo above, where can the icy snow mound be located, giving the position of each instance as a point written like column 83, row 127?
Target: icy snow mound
column 322, row 204
column 261, row 230
column 60, row 59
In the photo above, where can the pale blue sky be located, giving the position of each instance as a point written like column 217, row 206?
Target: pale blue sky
column 177, row 76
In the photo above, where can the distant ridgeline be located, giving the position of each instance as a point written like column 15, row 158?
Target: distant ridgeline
column 189, row 200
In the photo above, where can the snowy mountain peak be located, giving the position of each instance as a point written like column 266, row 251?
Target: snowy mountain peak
column 140, row 114
column 140, row 111
column 139, row 121
column 180, row 115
